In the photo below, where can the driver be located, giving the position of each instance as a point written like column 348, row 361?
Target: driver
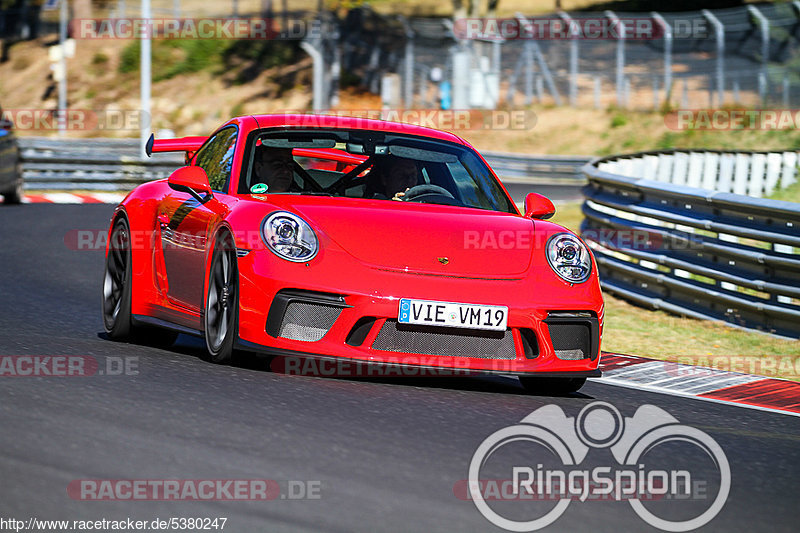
column 274, row 167
column 394, row 176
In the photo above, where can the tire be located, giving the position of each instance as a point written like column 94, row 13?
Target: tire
column 221, row 310
column 551, row 385
column 117, row 295
column 14, row 196
column 117, row 284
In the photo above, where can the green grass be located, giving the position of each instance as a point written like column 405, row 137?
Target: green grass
column 788, row 194
column 172, row 57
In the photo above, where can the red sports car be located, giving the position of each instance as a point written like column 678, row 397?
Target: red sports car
column 344, row 239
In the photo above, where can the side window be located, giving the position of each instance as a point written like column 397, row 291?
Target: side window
column 216, row 158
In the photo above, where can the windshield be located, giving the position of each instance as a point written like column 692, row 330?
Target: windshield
column 372, row 166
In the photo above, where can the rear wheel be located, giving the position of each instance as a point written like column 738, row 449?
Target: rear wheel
column 551, row 385
column 117, row 295
column 222, row 302
column 117, row 284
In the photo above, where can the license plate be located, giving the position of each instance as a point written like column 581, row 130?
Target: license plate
column 454, row 315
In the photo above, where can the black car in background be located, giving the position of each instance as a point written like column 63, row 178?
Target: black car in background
column 10, row 165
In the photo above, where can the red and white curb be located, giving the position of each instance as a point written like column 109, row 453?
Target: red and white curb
column 72, row 198
column 665, row 377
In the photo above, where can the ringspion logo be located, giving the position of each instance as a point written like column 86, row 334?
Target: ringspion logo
column 661, row 468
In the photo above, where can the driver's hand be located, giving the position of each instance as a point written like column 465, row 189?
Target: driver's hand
column 399, row 195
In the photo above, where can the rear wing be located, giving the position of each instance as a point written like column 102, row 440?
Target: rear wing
column 184, row 144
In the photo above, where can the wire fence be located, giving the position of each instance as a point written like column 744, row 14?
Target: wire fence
column 741, row 56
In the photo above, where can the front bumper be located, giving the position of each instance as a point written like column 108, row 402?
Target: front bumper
column 294, row 309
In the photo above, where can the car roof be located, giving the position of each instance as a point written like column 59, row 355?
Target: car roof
column 323, row 122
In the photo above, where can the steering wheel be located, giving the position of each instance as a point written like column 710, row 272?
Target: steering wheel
column 426, row 191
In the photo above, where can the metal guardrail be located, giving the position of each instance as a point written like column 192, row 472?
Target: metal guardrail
column 90, row 164
column 114, row 164
column 667, row 243
column 515, row 168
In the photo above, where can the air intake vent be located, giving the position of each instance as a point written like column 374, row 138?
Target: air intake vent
column 571, row 341
column 307, row 321
column 530, row 346
column 303, row 315
column 449, row 342
column 575, row 334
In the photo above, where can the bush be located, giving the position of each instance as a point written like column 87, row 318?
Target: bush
column 172, row 57
column 618, row 120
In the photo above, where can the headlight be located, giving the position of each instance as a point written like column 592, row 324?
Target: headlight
column 569, row 258
column 289, row 237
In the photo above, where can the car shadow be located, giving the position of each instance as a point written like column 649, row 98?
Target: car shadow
column 496, row 384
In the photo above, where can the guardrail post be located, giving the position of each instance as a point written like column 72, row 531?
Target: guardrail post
column 785, row 91
column 573, row 57
column 667, row 29
column 597, row 90
column 719, row 30
column 543, row 68
column 763, row 24
column 539, row 89
column 627, row 92
column 408, row 76
column 335, row 74
column 655, row 93
column 497, row 68
column 685, row 94
column 145, row 77
column 620, row 81
column 528, row 62
column 62, row 84
column 318, row 102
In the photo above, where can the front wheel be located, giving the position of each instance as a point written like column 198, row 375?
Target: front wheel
column 222, row 302
column 551, row 385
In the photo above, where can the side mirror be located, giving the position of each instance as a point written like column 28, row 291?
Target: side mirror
column 192, row 180
column 538, row 206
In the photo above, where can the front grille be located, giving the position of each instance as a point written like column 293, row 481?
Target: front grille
column 423, row 340
column 571, row 342
column 308, row 322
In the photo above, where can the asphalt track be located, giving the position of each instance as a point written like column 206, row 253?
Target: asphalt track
column 386, row 452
